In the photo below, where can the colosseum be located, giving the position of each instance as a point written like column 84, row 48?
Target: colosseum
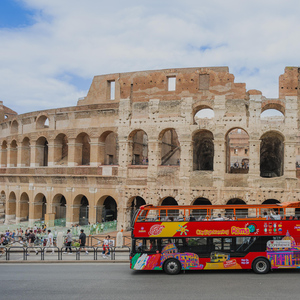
column 142, row 137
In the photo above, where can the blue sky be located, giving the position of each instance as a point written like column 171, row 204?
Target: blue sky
column 14, row 14
column 51, row 49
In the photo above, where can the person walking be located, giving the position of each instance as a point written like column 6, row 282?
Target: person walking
column 31, row 239
column 68, row 242
column 49, row 242
column 82, row 241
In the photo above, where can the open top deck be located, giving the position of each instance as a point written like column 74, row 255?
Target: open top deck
column 187, row 213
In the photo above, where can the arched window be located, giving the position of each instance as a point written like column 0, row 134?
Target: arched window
column 237, row 151
column 25, row 152
column 109, row 148
column 42, row 122
column 240, row 212
column 170, row 148
column 203, row 151
column 271, row 155
column 42, row 152
column 203, row 115
column 83, row 149
column 61, row 150
column 14, row 127
column 140, row 148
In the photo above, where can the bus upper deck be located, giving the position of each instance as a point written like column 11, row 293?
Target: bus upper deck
column 280, row 211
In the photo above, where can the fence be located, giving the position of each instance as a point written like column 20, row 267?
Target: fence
column 60, row 254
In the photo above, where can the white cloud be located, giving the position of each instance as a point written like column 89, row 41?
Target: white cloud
column 256, row 39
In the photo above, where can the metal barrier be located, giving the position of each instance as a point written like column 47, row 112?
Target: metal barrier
column 73, row 248
column 35, row 249
column 93, row 252
column 5, row 250
column 114, row 250
column 45, row 250
column 9, row 250
column 85, row 247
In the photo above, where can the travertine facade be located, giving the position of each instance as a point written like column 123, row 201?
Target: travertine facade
column 134, row 139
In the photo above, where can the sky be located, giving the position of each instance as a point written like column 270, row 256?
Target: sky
column 51, row 49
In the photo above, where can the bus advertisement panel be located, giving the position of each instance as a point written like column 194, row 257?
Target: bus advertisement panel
column 209, row 245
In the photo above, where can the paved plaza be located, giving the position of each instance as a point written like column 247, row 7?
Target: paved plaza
column 118, row 282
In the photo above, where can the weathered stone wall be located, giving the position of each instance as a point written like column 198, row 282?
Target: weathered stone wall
column 141, row 118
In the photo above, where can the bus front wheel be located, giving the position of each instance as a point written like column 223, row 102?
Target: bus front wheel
column 172, row 266
column 261, row 265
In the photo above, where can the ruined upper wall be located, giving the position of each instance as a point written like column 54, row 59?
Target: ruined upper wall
column 199, row 83
column 289, row 83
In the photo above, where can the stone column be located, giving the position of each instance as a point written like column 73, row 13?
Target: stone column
column 10, row 160
column 153, row 158
column 33, row 152
column 72, row 161
column 3, row 153
column 22, row 211
column 35, row 209
column 52, row 152
column 219, row 161
column 19, row 156
column 94, row 152
column 74, row 214
column 254, row 157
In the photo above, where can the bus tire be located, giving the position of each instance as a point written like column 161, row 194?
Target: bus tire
column 261, row 265
column 172, row 266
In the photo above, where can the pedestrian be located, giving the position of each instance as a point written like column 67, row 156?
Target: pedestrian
column 31, row 239
column 107, row 245
column 49, row 242
column 68, row 242
column 2, row 243
column 82, row 241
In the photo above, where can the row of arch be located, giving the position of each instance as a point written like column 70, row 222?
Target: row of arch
column 78, row 211
column 236, row 143
column 200, row 112
column 106, row 208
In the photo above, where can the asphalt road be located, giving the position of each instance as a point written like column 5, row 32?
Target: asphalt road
column 117, row 281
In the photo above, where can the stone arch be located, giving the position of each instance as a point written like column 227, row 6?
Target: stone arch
column 241, row 212
column 138, row 141
column 40, row 206
column 172, row 213
column 14, row 129
column 61, row 149
column 134, row 204
column 237, row 151
column 41, row 155
column 11, row 206
column 108, row 148
column 42, row 122
column 4, row 154
column 25, row 152
column 13, row 154
column 200, row 212
column 107, row 209
column 169, row 147
column 82, row 149
column 24, row 208
column 202, row 114
column 59, row 202
column 271, row 154
column 81, row 210
column 203, row 150
column 278, row 105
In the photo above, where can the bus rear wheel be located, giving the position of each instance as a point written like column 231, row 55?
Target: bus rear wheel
column 172, row 266
column 261, row 266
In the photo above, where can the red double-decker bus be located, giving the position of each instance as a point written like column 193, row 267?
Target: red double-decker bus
column 213, row 237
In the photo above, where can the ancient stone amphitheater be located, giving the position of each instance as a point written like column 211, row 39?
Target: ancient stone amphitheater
column 145, row 137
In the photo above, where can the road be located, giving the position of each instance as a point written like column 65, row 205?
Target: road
column 116, row 281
